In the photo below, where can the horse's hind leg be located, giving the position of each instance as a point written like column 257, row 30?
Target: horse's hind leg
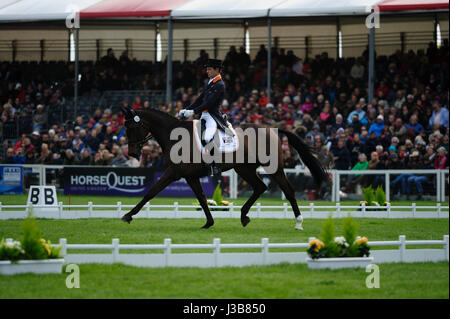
column 289, row 192
column 250, row 176
column 198, row 190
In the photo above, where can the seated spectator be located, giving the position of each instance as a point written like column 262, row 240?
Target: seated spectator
column 441, row 160
column 414, row 125
column 439, row 116
column 378, row 126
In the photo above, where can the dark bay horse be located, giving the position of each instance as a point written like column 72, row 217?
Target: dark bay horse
column 141, row 125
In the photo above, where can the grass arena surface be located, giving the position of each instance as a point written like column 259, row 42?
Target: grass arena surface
column 418, row 280
column 130, row 200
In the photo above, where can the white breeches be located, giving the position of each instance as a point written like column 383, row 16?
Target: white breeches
column 211, row 126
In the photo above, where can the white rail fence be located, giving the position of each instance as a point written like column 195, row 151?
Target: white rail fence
column 217, row 258
column 176, row 210
column 440, row 178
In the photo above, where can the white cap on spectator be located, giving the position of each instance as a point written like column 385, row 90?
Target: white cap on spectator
column 18, row 85
column 286, row 99
column 35, row 133
column 380, row 117
column 51, row 131
column 269, row 105
column 225, row 102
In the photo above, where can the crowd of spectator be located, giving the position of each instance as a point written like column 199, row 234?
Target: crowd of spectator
column 323, row 100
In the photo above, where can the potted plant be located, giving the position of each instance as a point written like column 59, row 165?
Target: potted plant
column 346, row 251
column 374, row 198
column 217, row 200
column 32, row 254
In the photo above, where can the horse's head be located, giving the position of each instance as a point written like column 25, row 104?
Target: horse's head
column 136, row 132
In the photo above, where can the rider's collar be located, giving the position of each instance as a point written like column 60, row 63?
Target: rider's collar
column 215, row 79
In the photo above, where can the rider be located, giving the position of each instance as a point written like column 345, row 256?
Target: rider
column 208, row 104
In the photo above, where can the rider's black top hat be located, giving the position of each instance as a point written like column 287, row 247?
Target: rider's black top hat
column 214, row 63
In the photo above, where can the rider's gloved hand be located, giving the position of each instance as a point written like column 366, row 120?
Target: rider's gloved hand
column 188, row 113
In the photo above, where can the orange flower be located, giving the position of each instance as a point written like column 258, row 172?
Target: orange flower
column 362, row 240
column 44, row 244
column 317, row 243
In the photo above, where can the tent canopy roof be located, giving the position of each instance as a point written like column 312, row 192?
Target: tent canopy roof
column 206, row 9
column 412, row 5
column 32, row 10
column 131, row 8
column 294, row 8
column 47, row 10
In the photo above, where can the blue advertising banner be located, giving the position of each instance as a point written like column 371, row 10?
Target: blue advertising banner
column 181, row 188
column 124, row 181
column 108, row 181
column 11, row 180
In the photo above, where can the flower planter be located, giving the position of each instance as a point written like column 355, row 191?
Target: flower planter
column 44, row 266
column 339, row 263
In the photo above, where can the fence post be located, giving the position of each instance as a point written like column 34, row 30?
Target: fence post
column 175, row 209
column 60, row 209
column 311, row 208
column 27, row 209
column 413, row 209
column 119, row 208
column 389, row 210
column 167, row 251
column 230, row 209
column 216, row 243
column 258, row 209
column 438, row 186
column 338, row 186
column 363, row 209
column 147, row 209
column 265, row 250
column 338, row 209
column 446, row 244
column 285, row 208
column 0, row 207
column 90, row 209
column 438, row 210
column 115, row 250
column 402, row 247
column 63, row 243
column 387, row 187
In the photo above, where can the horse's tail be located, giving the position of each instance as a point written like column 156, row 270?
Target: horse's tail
column 306, row 153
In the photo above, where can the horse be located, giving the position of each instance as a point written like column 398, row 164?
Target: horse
column 143, row 124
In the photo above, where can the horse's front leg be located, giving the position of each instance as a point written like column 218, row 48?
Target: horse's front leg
column 198, row 191
column 167, row 178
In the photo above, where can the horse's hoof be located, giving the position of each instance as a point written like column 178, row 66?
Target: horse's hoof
column 207, row 225
column 127, row 218
column 245, row 221
column 299, row 223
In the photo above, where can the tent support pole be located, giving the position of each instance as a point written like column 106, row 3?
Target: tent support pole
column 75, row 96
column 269, row 58
column 371, row 63
column 169, row 62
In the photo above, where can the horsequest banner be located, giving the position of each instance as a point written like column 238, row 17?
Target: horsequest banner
column 123, row 181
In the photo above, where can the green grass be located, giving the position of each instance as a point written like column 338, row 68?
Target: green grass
column 229, row 230
column 111, row 200
column 418, row 280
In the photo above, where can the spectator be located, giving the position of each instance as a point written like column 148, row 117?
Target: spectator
column 378, row 126
column 342, row 158
column 441, row 160
column 439, row 116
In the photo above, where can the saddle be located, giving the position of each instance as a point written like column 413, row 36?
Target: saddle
column 229, row 141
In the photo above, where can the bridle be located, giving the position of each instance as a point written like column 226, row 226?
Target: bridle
column 141, row 142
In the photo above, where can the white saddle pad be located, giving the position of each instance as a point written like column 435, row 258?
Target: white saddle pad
column 228, row 143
